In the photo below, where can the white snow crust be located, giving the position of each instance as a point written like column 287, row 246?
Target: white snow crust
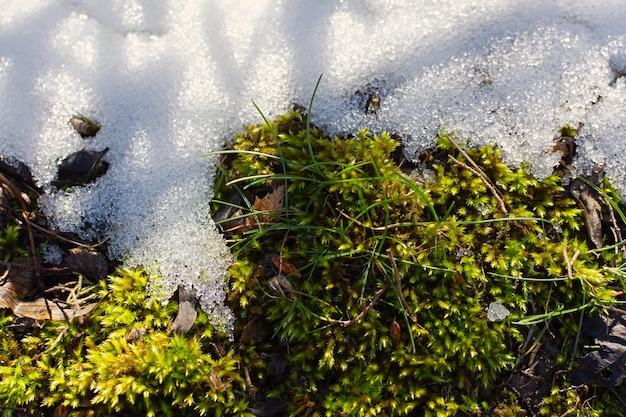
column 172, row 80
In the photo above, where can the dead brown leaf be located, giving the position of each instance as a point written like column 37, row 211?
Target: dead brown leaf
column 566, row 146
column 264, row 211
column 253, row 331
column 187, row 313
column 87, row 262
column 268, row 206
column 84, row 126
column 285, row 267
column 272, row 201
column 135, row 334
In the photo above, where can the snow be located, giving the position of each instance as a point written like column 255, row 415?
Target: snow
column 170, row 81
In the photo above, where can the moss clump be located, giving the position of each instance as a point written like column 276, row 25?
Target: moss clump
column 122, row 359
column 362, row 336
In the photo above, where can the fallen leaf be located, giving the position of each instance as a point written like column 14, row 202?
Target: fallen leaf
column 81, row 168
column 84, row 126
column 566, row 145
column 232, row 219
column 87, row 262
column 135, row 334
column 589, row 200
column 285, row 267
column 16, row 169
column 268, row 206
column 187, row 313
column 281, row 286
column 253, row 331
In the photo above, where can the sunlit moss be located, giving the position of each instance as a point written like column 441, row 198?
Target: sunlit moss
column 461, row 240
column 381, row 306
column 122, row 359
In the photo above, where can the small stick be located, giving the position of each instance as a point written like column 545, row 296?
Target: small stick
column 346, row 323
column 475, row 169
column 56, row 235
column 377, row 228
column 488, row 184
column 568, row 262
column 251, row 388
column 17, row 194
column 53, row 345
column 396, row 273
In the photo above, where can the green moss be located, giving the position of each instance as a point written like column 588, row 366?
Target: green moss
column 359, row 290
column 122, row 359
column 10, row 243
column 461, row 242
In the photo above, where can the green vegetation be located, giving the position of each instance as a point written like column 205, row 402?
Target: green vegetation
column 359, row 289
column 387, row 311
column 121, row 358
column 10, row 244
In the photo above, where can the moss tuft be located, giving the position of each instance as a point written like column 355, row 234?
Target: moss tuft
column 121, row 360
column 425, row 253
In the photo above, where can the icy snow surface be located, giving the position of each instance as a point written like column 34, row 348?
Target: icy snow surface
column 171, row 80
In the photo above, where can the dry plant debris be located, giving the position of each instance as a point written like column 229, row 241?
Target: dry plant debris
column 33, row 287
column 19, row 284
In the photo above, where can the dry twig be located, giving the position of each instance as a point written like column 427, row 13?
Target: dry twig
column 22, row 201
column 476, row 170
column 346, row 323
column 396, row 273
column 570, row 263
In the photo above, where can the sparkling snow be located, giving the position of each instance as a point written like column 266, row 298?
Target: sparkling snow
column 172, row 80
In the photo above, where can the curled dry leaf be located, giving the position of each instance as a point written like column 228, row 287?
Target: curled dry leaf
column 20, row 282
column 81, row 168
column 589, row 200
column 135, row 334
column 268, row 207
column 285, row 267
column 281, row 286
column 187, row 313
column 232, row 219
column 84, row 126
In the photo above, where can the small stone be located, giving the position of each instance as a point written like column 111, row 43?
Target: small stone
column 496, row 311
